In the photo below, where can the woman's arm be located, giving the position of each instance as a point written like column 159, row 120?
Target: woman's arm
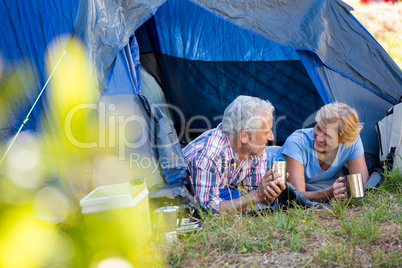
column 296, row 178
column 358, row 165
column 296, row 174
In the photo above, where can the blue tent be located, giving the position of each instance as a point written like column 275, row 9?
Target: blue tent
column 202, row 54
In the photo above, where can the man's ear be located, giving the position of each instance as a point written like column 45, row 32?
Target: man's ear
column 244, row 136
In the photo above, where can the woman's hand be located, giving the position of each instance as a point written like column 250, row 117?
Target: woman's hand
column 339, row 189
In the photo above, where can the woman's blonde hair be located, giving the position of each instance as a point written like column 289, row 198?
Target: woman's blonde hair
column 346, row 119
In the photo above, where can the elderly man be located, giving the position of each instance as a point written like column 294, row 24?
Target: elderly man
column 232, row 157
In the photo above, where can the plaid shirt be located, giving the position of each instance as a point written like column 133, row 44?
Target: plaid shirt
column 213, row 166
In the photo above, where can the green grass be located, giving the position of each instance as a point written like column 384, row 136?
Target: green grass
column 362, row 232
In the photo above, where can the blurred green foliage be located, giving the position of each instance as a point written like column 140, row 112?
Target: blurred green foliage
column 45, row 175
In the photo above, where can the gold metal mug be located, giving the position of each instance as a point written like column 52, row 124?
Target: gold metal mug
column 354, row 185
column 281, row 168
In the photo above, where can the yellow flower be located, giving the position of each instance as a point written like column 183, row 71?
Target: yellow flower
column 244, row 250
column 303, row 221
column 338, row 244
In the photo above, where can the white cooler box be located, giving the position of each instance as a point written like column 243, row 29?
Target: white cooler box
column 119, row 213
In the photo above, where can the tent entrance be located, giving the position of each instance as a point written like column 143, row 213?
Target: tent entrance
column 200, row 91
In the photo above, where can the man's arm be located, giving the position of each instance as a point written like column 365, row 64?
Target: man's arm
column 268, row 190
column 206, row 182
column 296, row 178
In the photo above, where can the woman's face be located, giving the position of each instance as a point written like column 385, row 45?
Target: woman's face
column 325, row 138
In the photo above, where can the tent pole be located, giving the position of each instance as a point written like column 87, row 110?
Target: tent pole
column 33, row 106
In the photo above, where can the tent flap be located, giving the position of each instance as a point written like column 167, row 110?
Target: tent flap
column 106, row 26
column 324, row 27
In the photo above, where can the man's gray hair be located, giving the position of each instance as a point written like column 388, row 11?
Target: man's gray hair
column 245, row 113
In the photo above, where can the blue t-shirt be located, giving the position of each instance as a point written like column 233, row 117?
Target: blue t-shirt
column 300, row 147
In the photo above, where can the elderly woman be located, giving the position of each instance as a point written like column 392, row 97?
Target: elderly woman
column 316, row 157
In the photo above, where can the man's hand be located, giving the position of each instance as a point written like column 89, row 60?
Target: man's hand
column 339, row 189
column 270, row 188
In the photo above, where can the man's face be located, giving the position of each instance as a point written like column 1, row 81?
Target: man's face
column 325, row 138
column 259, row 140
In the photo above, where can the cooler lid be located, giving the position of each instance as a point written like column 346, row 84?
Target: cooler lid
column 113, row 196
